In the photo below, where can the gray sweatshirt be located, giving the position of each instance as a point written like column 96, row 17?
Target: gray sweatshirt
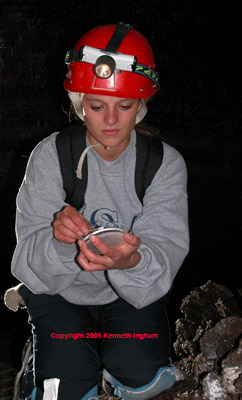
column 47, row 266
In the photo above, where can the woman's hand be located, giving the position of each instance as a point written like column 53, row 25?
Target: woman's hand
column 69, row 225
column 124, row 256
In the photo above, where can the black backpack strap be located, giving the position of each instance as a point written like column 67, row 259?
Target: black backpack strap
column 70, row 143
column 149, row 156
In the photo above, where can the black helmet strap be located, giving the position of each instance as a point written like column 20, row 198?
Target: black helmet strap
column 117, row 37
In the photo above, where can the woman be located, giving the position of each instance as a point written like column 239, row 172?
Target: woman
column 113, row 300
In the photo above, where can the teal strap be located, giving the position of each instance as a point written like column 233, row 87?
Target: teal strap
column 92, row 394
column 37, row 394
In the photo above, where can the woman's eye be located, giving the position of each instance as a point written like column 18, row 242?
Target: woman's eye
column 124, row 107
column 96, row 108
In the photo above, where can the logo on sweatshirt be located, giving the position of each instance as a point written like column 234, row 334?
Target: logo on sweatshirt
column 104, row 217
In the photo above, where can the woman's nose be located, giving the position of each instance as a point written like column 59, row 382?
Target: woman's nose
column 111, row 116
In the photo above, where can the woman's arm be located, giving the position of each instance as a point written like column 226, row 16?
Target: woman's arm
column 40, row 260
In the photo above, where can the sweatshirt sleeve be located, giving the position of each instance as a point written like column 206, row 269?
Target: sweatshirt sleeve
column 163, row 230
column 40, row 261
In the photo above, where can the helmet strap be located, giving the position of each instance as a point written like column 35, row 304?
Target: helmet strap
column 117, row 37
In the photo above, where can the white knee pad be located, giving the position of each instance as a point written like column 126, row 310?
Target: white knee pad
column 51, row 387
column 163, row 380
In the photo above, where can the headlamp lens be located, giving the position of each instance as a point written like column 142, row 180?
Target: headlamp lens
column 103, row 71
column 104, row 67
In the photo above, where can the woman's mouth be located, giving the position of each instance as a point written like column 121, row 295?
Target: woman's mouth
column 110, row 132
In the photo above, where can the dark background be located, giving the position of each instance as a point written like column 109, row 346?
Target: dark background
column 197, row 44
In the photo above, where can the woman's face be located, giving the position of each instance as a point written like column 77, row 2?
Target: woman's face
column 109, row 121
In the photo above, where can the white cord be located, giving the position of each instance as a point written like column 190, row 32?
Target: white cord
column 81, row 160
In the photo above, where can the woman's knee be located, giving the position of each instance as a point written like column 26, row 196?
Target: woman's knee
column 163, row 380
column 133, row 363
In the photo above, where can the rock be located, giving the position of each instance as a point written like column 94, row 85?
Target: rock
column 202, row 309
column 208, row 346
column 234, row 358
column 221, row 339
column 213, row 388
column 202, row 364
column 210, row 301
column 232, row 371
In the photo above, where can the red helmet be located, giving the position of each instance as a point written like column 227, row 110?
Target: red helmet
column 113, row 60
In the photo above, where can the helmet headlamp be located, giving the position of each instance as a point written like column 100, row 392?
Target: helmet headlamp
column 106, row 63
column 104, row 67
column 116, row 61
